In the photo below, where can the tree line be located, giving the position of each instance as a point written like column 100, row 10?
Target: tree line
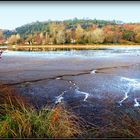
column 76, row 31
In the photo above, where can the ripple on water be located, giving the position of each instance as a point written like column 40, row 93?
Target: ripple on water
column 93, row 71
column 59, row 98
column 131, row 84
column 81, row 92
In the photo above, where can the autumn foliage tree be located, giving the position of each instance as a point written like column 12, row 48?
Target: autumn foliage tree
column 79, row 34
column 2, row 40
column 73, row 32
column 60, row 35
column 137, row 38
column 98, row 36
column 113, row 37
column 14, row 39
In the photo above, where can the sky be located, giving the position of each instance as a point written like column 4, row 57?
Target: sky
column 15, row 14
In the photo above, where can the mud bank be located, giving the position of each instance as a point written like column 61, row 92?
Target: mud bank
column 86, row 85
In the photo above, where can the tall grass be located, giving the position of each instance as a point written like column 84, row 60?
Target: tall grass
column 19, row 120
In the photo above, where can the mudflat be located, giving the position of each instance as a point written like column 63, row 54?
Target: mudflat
column 84, row 84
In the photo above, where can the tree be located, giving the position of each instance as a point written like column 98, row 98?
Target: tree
column 46, row 39
column 2, row 40
column 14, row 39
column 57, row 33
column 113, row 37
column 1, row 34
column 137, row 29
column 41, row 35
column 128, row 32
column 137, row 38
column 128, row 27
column 68, row 36
column 60, row 36
column 129, row 35
column 98, row 36
column 79, row 34
column 52, row 29
column 37, row 39
column 89, row 35
column 29, row 39
column 91, row 27
column 73, row 36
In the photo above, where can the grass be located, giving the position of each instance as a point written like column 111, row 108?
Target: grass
column 19, row 120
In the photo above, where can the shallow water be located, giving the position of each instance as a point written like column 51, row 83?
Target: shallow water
column 109, row 52
column 123, row 80
column 132, row 85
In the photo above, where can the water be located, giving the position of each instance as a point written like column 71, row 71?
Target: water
column 109, row 52
column 131, row 86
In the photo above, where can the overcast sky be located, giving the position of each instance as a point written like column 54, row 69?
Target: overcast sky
column 14, row 14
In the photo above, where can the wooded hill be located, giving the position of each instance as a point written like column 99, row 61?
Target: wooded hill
column 73, row 31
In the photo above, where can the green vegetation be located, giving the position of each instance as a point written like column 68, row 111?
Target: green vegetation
column 76, row 31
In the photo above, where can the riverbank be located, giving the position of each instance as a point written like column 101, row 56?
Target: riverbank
column 66, row 47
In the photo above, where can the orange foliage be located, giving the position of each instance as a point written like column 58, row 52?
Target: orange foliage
column 129, row 26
